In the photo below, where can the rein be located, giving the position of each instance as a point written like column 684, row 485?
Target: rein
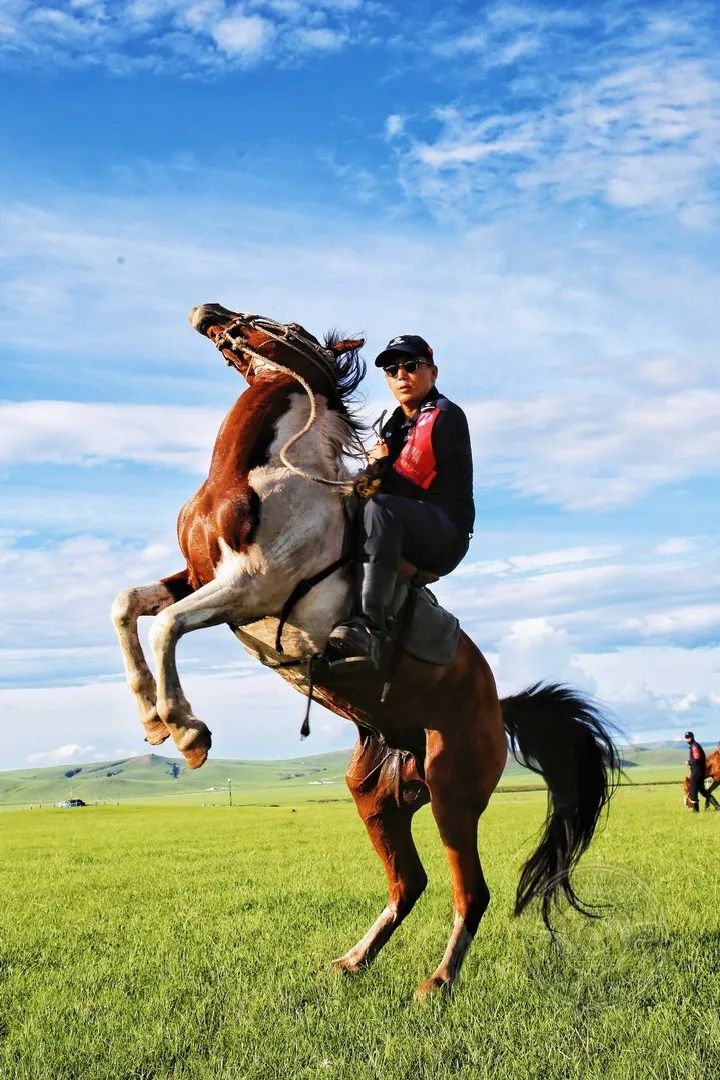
column 323, row 359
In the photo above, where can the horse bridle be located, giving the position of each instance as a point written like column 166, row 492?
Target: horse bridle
column 322, row 358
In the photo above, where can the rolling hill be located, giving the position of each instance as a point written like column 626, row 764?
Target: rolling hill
column 152, row 776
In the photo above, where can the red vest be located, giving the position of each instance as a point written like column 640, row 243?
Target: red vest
column 416, row 461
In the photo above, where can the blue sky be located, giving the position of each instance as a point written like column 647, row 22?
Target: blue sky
column 533, row 188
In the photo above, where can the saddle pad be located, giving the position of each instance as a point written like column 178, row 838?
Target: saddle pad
column 433, row 633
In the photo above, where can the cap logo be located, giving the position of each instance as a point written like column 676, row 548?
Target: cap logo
column 396, row 341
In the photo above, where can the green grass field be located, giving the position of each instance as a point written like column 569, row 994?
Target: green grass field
column 173, row 940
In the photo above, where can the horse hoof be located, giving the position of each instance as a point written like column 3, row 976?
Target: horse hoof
column 196, row 747
column 431, row 987
column 196, row 758
column 155, row 732
column 343, row 966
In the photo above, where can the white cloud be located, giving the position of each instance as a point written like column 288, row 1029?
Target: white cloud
column 163, row 35
column 542, row 318
column 622, row 598
column 543, row 560
column 533, row 650
column 685, row 703
column 321, row 38
column 585, row 352
column 62, row 755
column 394, row 124
column 578, row 401
column 523, row 45
column 584, row 452
column 559, row 451
column 676, row 545
column 262, row 720
column 243, row 35
column 677, row 621
column 633, row 123
column 546, row 615
column 88, row 434
column 648, row 692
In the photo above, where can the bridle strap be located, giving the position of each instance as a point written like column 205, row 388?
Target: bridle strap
column 323, row 359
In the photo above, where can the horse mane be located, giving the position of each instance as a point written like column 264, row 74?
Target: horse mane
column 350, row 370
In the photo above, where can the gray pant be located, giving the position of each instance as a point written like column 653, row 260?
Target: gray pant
column 391, row 527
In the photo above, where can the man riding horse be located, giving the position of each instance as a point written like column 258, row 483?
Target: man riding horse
column 423, row 512
column 264, row 523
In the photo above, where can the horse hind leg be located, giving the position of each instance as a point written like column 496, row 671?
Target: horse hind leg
column 471, row 896
column 459, row 793
column 710, row 800
column 386, row 803
column 127, row 607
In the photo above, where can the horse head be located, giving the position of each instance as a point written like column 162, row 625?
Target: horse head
column 257, row 345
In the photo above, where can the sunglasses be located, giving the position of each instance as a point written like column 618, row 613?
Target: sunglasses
column 410, row 366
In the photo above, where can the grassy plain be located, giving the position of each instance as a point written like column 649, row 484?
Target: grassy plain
column 318, row 776
column 173, row 940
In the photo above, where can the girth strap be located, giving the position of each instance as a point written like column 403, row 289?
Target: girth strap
column 302, row 589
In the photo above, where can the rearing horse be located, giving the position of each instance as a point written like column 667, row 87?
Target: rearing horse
column 272, row 513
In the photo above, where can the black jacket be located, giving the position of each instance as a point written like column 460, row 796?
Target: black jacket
column 696, row 759
column 430, row 458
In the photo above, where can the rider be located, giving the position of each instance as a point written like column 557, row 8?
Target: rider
column 423, row 511
column 697, row 765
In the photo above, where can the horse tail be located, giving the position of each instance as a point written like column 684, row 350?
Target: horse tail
column 562, row 736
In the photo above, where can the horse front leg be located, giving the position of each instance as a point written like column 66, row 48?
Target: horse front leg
column 212, row 604
column 127, row 607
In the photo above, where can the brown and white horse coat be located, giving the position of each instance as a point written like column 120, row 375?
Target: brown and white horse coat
column 248, row 535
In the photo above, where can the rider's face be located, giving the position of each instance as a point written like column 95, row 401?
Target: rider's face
column 411, row 388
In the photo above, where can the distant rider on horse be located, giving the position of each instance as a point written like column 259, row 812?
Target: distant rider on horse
column 418, row 487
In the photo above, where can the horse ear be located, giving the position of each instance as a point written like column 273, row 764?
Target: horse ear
column 347, row 345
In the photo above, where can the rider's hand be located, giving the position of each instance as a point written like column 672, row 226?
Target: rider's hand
column 379, row 451
column 368, row 482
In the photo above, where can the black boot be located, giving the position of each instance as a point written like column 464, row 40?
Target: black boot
column 360, row 638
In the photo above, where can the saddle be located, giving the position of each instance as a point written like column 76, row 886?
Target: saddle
column 420, row 625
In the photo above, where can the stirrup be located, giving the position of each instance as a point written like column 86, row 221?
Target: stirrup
column 369, row 644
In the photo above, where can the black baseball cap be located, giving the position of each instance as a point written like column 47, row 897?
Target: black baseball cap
column 411, row 344
column 688, row 735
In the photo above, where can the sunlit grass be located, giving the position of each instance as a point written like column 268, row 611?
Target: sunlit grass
column 193, row 942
